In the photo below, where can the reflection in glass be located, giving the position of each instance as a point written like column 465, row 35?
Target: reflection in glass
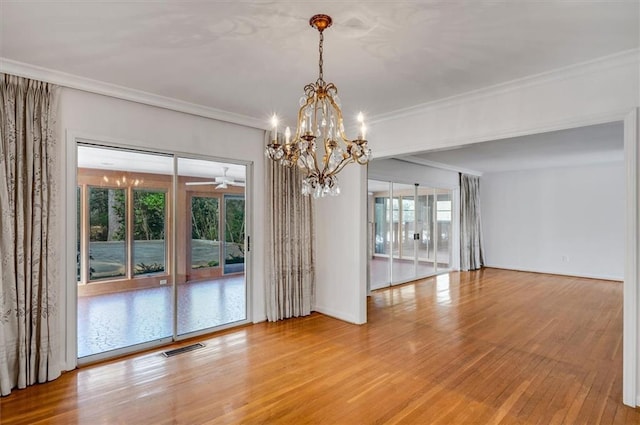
column 234, row 234
column 107, row 248
column 205, row 242
column 443, row 219
column 149, row 216
column 411, row 228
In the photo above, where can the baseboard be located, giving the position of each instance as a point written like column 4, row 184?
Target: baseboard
column 559, row 273
column 337, row 314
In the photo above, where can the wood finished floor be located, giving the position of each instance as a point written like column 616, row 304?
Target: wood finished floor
column 483, row 347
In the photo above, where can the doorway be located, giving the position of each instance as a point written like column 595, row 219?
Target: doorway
column 410, row 232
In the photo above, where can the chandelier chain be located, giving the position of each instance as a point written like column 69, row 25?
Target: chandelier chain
column 320, row 62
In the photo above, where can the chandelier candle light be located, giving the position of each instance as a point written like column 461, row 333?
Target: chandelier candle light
column 319, row 120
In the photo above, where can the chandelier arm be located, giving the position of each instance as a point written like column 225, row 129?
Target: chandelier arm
column 314, row 127
column 342, row 164
column 325, row 161
column 299, row 128
column 315, row 164
column 340, row 122
column 358, row 161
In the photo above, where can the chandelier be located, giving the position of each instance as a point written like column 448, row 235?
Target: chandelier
column 320, row 127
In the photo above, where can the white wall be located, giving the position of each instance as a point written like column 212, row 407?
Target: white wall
column 341, row 249
column 600, row 91
column 152, row 128
column 558, row 220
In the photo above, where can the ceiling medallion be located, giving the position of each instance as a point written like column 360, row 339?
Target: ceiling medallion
column 320, row 127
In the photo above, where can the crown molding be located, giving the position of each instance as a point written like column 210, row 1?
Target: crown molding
column 120, row 92
column 604, row 63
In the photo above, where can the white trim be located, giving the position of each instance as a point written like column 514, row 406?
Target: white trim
column 363, row 262
column 601, row 64
column 70, row 290
column 248, row 235
column 555, row 272
column 631, row 279
column 420, row 161
column 120, row 92
column 130, row 349
column 337, row 314
column 517, row 131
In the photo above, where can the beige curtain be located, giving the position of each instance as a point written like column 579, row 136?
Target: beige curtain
column 290, row 244
column 471, row 250
column 28, row 264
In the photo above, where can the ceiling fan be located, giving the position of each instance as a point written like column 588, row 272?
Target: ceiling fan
column 221, row 182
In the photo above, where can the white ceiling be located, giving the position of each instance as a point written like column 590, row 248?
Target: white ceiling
column 580, row 146
column 253, row 57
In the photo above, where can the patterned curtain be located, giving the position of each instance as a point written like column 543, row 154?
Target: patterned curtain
column 28, row 249
column 471, row 251
column 290, row 245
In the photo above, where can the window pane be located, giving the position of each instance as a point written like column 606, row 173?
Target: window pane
column 381, row 219
column 205, row 242
column 149, row 216
column 107, row 249
column 443, row 217
column 234, row 234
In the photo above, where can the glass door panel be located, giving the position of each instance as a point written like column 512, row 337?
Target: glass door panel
column 210, row 278
column 403, row 267
column 410, row 232
column 443, row 220
column 124, row 292
column 424, row 214
column 379, row 262
column 234, row 219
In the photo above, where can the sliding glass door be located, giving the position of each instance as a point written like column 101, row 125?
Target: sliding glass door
column 160, row 248
column 123, row 237
column 211, row 287
column 411, row 231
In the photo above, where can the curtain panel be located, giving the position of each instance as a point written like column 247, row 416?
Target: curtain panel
column 290, row 244
column 29, row 166
column 471, row 249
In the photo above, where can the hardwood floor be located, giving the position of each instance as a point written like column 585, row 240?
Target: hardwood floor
column 483, row 347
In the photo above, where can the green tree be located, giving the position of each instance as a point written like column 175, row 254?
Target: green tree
column 234, row 221
column 149, row 215
column 106, row 214
column 204, row 218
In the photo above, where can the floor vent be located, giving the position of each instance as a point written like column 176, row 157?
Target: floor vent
column 171, row 353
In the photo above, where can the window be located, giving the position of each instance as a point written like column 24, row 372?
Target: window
column 107, row 232
column 122, row 225
column 149, row 248
column 205, row 240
